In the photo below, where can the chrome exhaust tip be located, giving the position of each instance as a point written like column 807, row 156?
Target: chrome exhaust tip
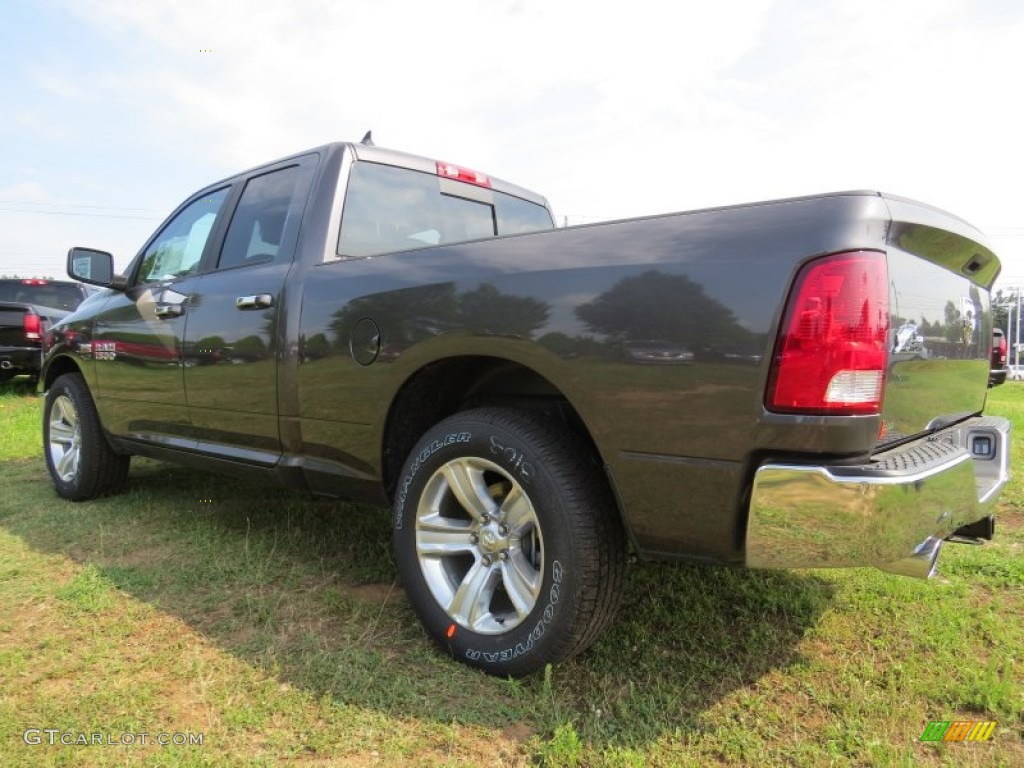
column 6, row 364
column 923, row 564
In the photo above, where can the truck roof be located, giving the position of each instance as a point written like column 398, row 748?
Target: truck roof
column 374, row 154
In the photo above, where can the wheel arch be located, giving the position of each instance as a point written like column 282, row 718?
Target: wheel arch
column 450, row 385
column 57, row 367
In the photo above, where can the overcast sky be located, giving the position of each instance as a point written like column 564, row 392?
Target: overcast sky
column 115, row 110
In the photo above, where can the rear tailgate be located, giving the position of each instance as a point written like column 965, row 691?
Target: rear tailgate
column 938, row 466
column 940, row 274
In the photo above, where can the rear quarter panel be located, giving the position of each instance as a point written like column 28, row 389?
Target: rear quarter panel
column 568, row 303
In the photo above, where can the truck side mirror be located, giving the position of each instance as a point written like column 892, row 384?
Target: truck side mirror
column 91, row 266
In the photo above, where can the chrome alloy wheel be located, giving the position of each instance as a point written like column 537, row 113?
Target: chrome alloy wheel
column 479, row 545
column 65, row 444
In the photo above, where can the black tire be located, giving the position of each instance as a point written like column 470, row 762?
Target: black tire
column 6, row 375
column 81, row 462
column 544, row 520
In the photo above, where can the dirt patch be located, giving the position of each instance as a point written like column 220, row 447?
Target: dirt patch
column 518, row 733
column 375, row 594
column 146, row 556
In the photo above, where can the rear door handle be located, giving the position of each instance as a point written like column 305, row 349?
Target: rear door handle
column 257, row 301
column 169, row 310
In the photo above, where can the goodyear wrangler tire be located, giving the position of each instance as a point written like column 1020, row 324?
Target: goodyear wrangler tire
column 508, row 540
column 81, row 462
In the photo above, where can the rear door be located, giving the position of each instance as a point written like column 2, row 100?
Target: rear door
column 232, row 333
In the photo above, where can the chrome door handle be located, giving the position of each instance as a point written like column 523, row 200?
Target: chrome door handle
column 257, row 301
column 169, row 310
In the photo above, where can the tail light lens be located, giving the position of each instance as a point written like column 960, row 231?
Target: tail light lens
column 33, row 328
column 831, row 354
column 999, row 354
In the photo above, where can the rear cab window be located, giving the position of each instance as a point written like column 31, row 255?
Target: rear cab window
column 389, row 208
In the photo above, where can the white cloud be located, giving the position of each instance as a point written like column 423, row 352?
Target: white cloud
column 458, row 79
column 24, row 192
column 608, row 111
column 42, row 128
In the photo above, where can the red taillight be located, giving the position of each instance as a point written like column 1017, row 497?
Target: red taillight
column 449, row 171
column 832, row 350
column 35, row 281
column 1001, row 352
column 33, row 328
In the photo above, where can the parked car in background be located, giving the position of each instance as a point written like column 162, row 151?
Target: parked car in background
column 658, row 352
column 998, row 371
column 27, row 308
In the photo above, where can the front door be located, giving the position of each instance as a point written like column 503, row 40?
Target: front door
column 137, row 340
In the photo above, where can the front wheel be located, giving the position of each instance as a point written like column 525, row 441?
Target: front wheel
column 81, row 462
column 508, row 540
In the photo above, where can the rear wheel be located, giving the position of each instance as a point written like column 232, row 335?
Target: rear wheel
column 508, row 540
column 81, row 462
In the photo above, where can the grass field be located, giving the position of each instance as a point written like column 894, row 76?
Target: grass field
column 271, row 625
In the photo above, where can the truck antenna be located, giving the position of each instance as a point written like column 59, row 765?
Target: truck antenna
column 368, row 139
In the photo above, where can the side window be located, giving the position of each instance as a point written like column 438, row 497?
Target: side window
column 256, row 229
column 178, row 248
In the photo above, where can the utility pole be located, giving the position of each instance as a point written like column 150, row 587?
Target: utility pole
column 1017, row 346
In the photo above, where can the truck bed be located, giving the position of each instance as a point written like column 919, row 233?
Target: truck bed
column 681, row 437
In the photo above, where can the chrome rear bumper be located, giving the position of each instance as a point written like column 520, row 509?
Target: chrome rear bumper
column 892, row 513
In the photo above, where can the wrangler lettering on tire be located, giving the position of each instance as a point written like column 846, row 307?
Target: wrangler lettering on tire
column 508, row 540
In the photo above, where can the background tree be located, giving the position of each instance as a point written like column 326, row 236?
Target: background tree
column 954, row 322
column 655, row 306
column 417, row 313
column 488, row 309
column 1004, row 310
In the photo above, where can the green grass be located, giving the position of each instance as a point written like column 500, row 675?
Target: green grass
column 272, row 624
column 20, row 425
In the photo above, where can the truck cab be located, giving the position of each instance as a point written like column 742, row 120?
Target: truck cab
column 218, row 281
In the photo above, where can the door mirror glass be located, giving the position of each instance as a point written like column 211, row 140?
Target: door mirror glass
column 91, row 266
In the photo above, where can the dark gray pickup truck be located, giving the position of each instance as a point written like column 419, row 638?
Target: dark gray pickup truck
column 729, row 386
